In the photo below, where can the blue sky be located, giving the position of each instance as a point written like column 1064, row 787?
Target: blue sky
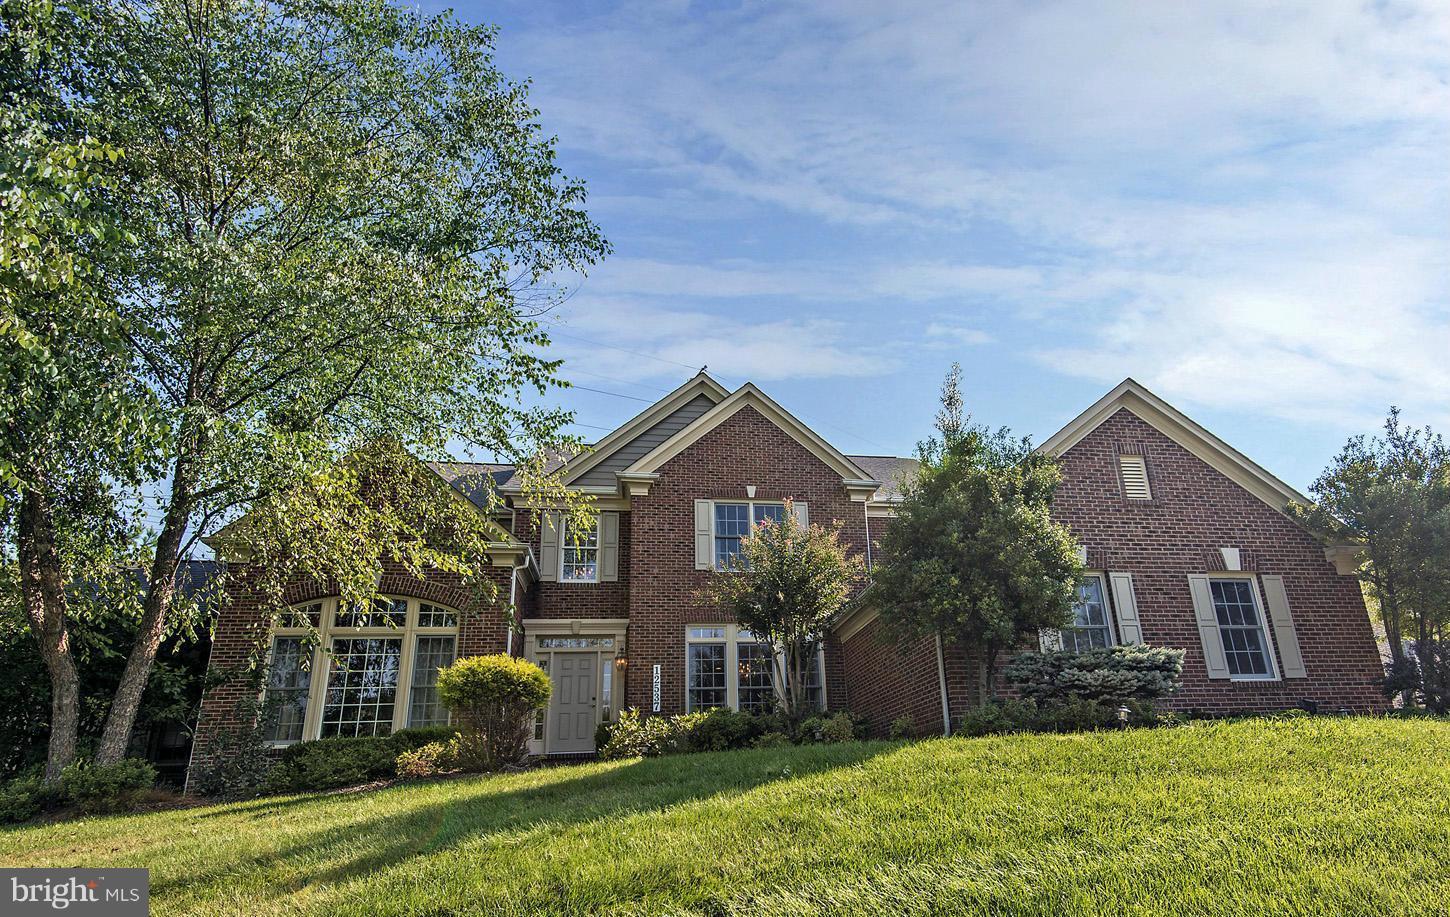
column 1245, row 208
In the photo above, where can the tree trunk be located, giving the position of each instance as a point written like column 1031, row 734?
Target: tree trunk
column 160, row 591
column 42, row 586
column 1394, row 634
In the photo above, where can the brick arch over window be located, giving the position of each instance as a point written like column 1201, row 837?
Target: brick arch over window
column 243, row 631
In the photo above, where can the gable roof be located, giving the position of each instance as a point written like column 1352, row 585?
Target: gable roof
column 1132, row 396
column 697, row 386
column 750, row 396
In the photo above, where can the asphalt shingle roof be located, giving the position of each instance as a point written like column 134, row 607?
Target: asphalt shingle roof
column 892, row 471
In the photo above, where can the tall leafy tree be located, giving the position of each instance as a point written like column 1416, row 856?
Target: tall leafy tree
column 1390, row 494
column 73, row 424
column 348, row 221
column 973, row 557
column 788, row 585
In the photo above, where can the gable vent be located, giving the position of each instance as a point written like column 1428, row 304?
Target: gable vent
column 1135, row 477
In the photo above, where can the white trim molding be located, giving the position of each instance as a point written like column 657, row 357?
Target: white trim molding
column 1346, row 558
column 860, row 485
column 635, row 483
column 1131, row 396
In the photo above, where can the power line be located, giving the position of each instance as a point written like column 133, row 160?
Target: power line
column 585, row 372
column 600, row 391
column 650, row 356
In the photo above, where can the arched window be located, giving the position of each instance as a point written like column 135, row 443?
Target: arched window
column 338, row 670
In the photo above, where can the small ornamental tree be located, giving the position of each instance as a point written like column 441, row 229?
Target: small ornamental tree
column 973, row 556
column 787, row 586
column 493, row 699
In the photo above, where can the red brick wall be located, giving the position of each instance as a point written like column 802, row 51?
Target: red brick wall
column 666, row 591
column 885, row 681
column 242, row 630
column 578, row 600
column 1195, row 510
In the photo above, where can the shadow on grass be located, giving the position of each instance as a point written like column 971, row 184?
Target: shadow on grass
column 476, row 809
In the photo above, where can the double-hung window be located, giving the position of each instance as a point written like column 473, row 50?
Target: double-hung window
column 579, row 554
column 755, row 674
column 1241, row 628
column 734, row 522
column 727, row 666
column 288, row 682
column 1090, row 625
column 706, row 686
column 339, row 670
column 433, row 648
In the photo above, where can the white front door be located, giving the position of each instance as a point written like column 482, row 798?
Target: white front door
column 572, row 709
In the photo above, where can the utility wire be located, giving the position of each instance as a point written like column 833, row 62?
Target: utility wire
column 650, row 356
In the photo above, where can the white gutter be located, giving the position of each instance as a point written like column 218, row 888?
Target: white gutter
column 941, row 674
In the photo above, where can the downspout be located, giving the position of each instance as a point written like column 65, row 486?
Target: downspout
column 513, row 609
column 867, row 513
column 941, row 674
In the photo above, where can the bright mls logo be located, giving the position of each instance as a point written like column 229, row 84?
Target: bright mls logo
column 113, row 892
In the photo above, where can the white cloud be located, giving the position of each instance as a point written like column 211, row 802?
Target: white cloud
column 1245, row 206
column 642, row 341
column 956, row 334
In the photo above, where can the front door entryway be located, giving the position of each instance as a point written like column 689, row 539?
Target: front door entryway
column 572, row 710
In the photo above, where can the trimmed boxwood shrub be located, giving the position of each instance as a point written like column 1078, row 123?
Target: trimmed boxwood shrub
column 326, row 764
column 98, row 789
column 1073, row 715
column 636, row 736
column 88, row 788
column 723, row 728
column 493, row 699
column 25, row 797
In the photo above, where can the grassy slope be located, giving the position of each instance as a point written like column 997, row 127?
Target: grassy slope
column 1323, row 816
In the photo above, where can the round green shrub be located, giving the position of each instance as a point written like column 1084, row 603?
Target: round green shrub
column 1112, row 676
column 26, row 797
column 97, row 789
column 903, row 727
column 493, row 700
column 429, row 760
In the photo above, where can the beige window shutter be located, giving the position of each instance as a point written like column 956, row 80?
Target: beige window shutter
column 1049, row 639
column 1213, row 657
column 1130, row 630
column 802, row 514
column 549, row 524
column 1285, row 633
column 704, row 535
column 608, row 547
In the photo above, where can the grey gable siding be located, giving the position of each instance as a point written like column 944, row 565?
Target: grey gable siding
column 602, row 475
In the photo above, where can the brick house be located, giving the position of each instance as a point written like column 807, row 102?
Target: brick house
column 1185, row 538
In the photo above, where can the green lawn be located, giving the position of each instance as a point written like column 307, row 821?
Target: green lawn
column 1310, row 816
